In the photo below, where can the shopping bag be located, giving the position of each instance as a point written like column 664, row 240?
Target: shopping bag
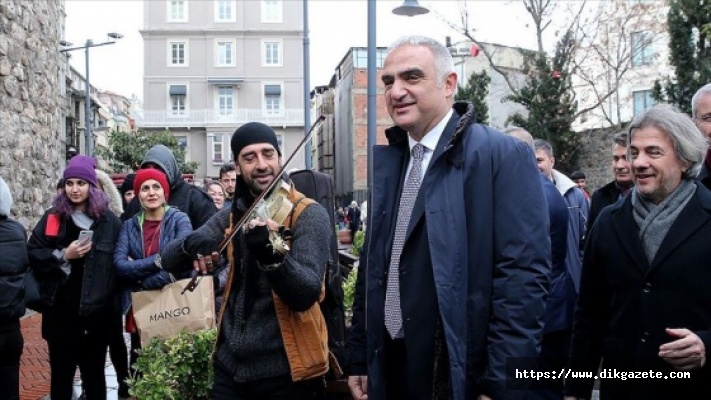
column 165, row 312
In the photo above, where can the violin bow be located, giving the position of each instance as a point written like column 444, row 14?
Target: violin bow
column 226, row 241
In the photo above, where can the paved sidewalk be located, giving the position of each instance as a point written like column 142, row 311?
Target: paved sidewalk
column 34, row 365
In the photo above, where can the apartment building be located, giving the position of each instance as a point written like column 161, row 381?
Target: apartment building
column 350, row 109
column 625, row 49
column 214, row 65
column 505, row 70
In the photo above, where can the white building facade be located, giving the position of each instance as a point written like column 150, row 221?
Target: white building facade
column 214, row 65
column 618, row 62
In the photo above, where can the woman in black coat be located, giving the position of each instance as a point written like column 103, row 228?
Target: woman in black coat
column 13, row 265
column 76, row 279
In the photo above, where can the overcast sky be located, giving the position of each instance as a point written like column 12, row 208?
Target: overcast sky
column 334, row 27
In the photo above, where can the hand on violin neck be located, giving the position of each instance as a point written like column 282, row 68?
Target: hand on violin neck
column 260, row 246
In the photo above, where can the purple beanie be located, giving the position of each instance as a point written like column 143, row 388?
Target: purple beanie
column 81, row 167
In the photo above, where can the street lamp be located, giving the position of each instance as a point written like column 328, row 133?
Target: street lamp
column 409, row 8
column 88, row 134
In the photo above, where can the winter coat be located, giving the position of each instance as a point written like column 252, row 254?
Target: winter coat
column 559, row 304
column 601, row 198
column 578, row 209
column 141, row 272
column 626, row 303
column 353, row 218
column 98, row 280
column 186, row 198
column 488, row 251
column 13, row 266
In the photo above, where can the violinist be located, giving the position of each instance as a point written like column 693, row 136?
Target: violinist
column 252, row 359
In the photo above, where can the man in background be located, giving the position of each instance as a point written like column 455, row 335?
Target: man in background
column 228, row 179
column 620, row 186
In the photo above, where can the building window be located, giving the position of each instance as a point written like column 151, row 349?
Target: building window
column 642, row 51
column 272, row 11
column 272, row 99
column 225, row 11
column 178, row 95
column 272, row 53
column 642, row 100
column 177, row 11
column 178, row 53
column 225, row 54
column 217, row 149
column 225, row 100
column 360, row 58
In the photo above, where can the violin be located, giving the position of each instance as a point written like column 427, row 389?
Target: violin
column 276, row 207
column 272, row 203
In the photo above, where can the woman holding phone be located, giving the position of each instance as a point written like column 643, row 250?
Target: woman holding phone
column 76, row 279
column 140, row 240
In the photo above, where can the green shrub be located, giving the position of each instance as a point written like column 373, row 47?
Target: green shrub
column 358, row 243
column 178, row 368
column 349, row 286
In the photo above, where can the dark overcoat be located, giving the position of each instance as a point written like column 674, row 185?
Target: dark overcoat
column 626, row 303
column 479, row 234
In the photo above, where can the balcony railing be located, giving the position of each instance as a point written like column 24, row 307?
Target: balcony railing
column 202, row 118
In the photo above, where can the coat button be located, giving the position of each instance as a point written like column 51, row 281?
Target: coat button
column 647, row 287
column 380, row 282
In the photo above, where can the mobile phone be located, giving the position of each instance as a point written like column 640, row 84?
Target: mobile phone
column 85, row 236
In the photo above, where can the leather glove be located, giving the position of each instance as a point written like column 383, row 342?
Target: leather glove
column 198, row 244
column 257, row 241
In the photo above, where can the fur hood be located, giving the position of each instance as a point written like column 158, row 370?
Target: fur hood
column 115, row 202
column 5, row 199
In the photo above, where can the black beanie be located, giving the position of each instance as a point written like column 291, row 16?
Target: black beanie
column 251, row 133
column 127, row 183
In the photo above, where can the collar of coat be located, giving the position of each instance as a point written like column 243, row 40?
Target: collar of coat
column 465, row 110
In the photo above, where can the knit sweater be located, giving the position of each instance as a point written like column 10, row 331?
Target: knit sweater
column 251, row 346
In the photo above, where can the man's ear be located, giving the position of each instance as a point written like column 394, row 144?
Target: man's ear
column 552, row 161
column 238, row 170
column 450, row 83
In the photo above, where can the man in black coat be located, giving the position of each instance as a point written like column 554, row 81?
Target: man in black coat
column 646, row 283
column 619, row 187
column 186, row 198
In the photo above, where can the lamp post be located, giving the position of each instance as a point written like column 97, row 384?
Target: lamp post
column 307, row 88
column 88, row 131
column 409, row 8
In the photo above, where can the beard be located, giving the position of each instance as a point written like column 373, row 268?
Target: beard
column 255, row 187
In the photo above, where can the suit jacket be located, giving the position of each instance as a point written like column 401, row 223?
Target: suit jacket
column 625, row 303
column 483, row 250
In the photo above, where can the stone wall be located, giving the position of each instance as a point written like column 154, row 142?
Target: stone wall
column 596, row 156
column 30, row 143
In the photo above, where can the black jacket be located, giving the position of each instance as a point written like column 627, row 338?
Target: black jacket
column 601, row 198
column 99, row 274
column 13, row 266
column 186, row 198
column 626, row 303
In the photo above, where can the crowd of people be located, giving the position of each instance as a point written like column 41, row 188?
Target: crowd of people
column 481, row 260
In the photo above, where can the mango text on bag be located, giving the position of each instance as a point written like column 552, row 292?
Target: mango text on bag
column 169, row 314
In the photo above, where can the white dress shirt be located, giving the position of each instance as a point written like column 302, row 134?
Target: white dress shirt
column 429, row 141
